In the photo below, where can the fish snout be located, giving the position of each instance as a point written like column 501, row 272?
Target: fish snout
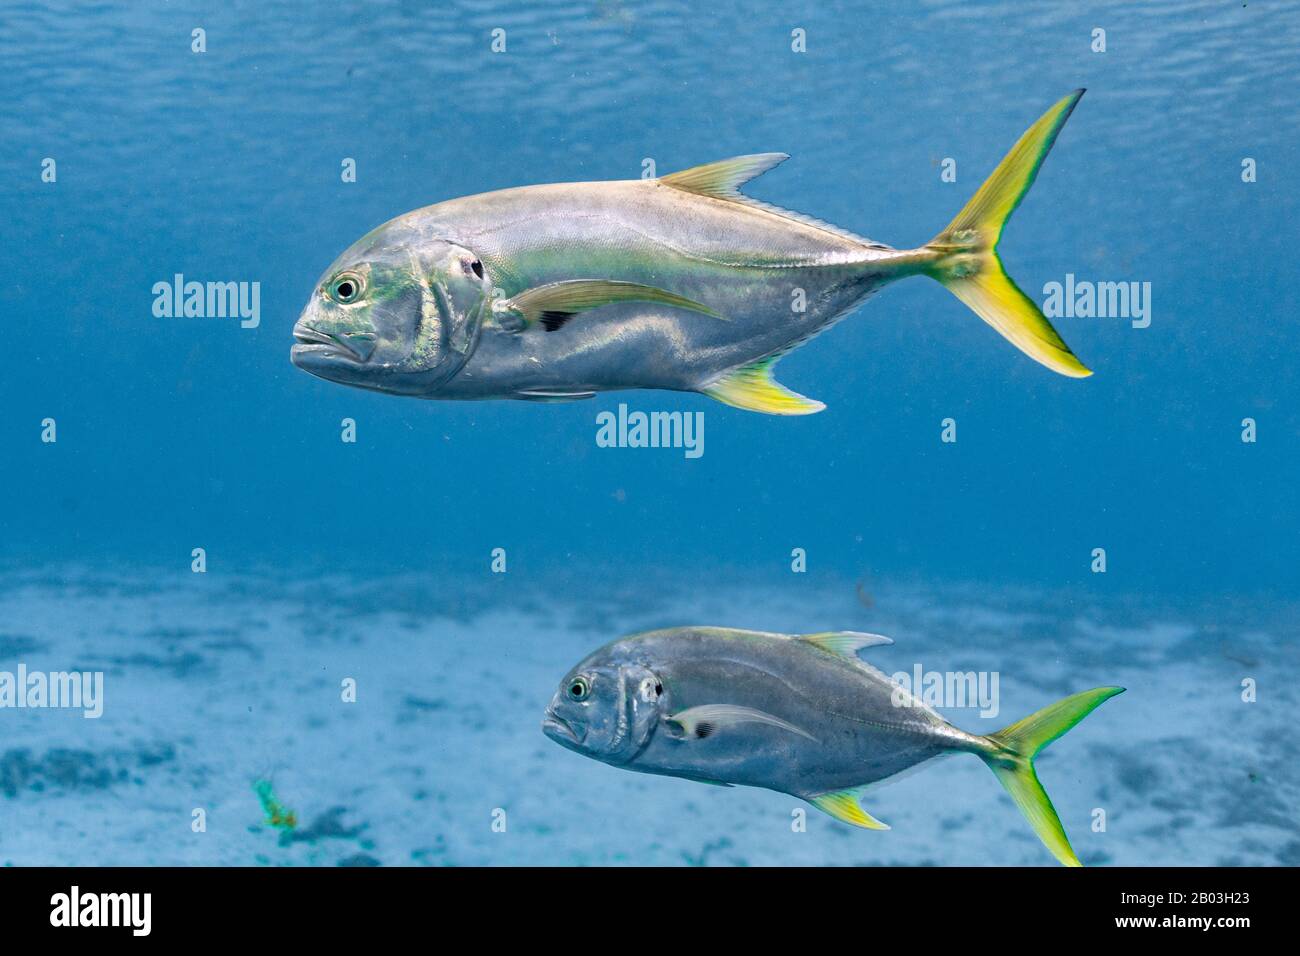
column 560, row 730
column 311, row 339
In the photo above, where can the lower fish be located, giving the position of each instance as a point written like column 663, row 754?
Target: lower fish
column 552, row 293
column 799, row 714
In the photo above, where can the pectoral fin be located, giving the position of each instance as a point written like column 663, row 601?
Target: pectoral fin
column 753, row 388
column 843, row 806
column 696, row 723
column 551, row 306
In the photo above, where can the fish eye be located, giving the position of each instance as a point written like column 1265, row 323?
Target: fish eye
column 473, row 265
column 579, row 688
column 346, row 288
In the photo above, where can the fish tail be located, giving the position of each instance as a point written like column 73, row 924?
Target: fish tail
column 964, row 256
column 1011, row 758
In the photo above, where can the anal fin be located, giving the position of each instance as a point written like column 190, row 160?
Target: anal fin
column 843, row 806
column 753, row 388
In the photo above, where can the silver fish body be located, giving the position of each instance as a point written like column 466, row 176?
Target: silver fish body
column 862, row 727
column 744, row 262
column 798, row 714
column 557, row 292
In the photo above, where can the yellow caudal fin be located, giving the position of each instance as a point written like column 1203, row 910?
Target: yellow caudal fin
column 965, row 253
column 1011, row 758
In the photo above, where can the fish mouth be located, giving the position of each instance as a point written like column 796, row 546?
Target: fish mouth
column 309, row 341
column 560, row 730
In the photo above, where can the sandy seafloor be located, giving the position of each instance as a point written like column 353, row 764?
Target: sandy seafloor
column 214, row 681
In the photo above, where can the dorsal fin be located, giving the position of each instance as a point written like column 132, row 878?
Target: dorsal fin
column 845, row 643
column 723, row 179
column 753, row 388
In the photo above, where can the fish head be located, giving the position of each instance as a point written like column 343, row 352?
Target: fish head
column 606, row 708
column 397, row 312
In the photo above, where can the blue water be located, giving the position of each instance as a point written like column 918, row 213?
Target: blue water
column 328, row 559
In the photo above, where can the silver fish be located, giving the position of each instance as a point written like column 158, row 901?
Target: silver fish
column 799, row 714
column 556, row 292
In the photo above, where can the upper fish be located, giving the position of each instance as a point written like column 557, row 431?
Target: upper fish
column 556, row 292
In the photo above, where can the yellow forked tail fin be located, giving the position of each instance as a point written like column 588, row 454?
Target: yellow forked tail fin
column 1012, row 754
column 967, row 262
